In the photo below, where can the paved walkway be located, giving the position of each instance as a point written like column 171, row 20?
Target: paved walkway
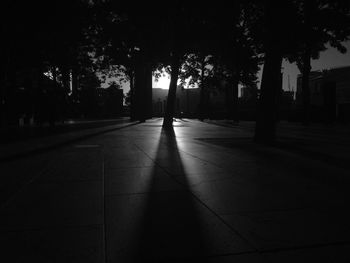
column 36, row 143
column 202, row 192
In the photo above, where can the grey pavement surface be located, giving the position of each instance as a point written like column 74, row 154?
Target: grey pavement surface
column 13, row 133
column 202, row 193
column 19, row 148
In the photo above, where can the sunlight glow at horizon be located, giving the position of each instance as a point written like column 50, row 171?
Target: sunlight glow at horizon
column 328, row 59
column 162, row 83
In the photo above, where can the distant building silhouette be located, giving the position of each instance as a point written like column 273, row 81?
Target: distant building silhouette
column 329, row 94
column 187, row 101
column 159, row 97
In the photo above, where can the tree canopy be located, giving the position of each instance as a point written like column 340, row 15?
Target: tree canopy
column 203, row 42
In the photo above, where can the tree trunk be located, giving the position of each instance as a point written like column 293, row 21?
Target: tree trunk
column 36, row 94
column 132, row 95
column 6, row 68
column 305, row 86
column 267, row 107
column 235, row 115
column 65, row 79
column 170, row 106
column 141, row 97
column 271, row 78
column 148, row 91
column 309, row 6
column 202, row 93
column 138, row 98
column 54, row 76
column 229, row 101
column 232, row 98
column 2, row 96
column 75, row 83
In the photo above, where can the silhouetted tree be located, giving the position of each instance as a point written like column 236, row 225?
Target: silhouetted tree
column 238, row 54
column 195, row 71
column 229, row 43
column 320, row 22
column 89, row 82
column 42, row 37
column 278, row 39
column 200, row 26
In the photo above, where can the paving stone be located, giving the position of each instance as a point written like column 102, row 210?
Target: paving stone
column 240, row 258
column 324, row 254
column 54, row 204
column 71, row 245
column 292, row 228
column 139, row 180
column 204, row 193
column 166, row 226
column 79, row 165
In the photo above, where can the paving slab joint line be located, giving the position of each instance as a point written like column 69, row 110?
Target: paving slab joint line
column 311, row 246
column 17, row 156
column 256, row 249
column 199, row 158
column 34, row 178
column 69, row 181
column 248, row 252
column 231, row 126
column 143, row 193
column 105, row 251
column 21, row 189
column 50, row 227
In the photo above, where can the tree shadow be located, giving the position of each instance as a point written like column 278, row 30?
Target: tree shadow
column 171, row 230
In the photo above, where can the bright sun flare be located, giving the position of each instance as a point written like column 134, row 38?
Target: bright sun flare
column 162, row 83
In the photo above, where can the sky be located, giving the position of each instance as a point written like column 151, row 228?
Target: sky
column 328, row 59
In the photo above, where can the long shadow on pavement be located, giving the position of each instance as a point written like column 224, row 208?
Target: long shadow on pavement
column 45, row 148
column 170, row 230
